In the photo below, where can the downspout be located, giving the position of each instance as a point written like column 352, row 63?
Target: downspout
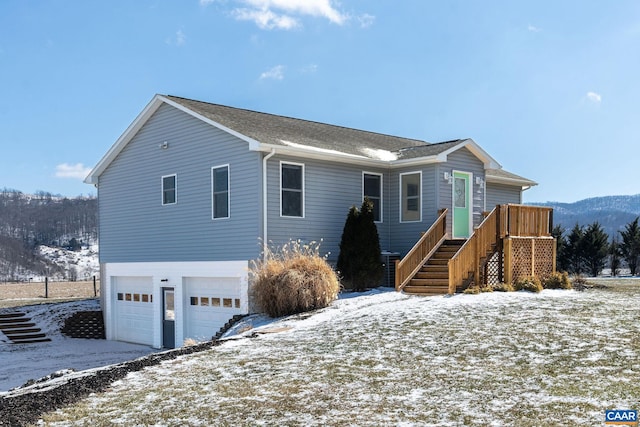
column 264, row 201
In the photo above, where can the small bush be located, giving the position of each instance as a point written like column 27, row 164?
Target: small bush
column 557, row 281
column 293, row 279
column 473, row 290
column 530, row 284
column 503, row 287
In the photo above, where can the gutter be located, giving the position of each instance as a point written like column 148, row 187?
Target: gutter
column 264, row 201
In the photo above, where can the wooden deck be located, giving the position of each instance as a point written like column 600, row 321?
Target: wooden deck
column 438, row 265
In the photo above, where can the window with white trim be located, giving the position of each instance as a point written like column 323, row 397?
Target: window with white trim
column 169, row 190
column 292, row 189
column 410, row 196
column 372, row 189
column 220, row 191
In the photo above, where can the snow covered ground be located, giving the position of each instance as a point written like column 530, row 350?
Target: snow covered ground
column 20, row 363
column 383, row 358
column 84, row 261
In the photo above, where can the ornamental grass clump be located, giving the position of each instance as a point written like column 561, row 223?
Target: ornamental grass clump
column 557, row 281
column 293, row 279
column 530, row 284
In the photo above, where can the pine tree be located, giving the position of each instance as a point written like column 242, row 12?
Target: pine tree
column 630, row 246
column 574, row 248
column 595, row 248
column 562, row 260
column 359, row 261
column 615, row 257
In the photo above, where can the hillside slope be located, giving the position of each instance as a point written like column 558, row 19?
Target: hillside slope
column 612, row 212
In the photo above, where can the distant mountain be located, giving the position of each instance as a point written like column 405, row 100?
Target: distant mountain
column 612, row 212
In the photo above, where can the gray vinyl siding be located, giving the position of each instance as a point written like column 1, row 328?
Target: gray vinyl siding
column 404, row 235
column 136, row 227
column 330, row 191
column 461, row 160
column 500, row 194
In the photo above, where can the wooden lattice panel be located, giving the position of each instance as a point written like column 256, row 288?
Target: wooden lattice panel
column 493, row 269
column 543, row 260
column 522, row 257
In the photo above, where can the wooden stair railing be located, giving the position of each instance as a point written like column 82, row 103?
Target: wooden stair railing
column 421, row 251
column 468, row 259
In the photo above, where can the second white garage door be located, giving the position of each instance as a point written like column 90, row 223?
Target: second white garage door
column 208, row 304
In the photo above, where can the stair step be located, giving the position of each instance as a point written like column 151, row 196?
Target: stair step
column 30, row 341
column 11, row 332
column 26, row 337
column 8, row 321
column 426, row 290
column 432, row 275
column 16, row 326
column 437, row 261
column 429, row 282
column 11, row 315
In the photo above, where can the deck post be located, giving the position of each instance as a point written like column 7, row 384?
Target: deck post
column 476, row 269
column 554, row 255
column 507, row 261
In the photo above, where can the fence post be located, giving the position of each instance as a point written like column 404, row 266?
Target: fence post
column 95, row 291
column 46, row 287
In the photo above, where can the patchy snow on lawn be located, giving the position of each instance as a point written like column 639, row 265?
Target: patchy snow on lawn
column 22, row 362
column 384, row 358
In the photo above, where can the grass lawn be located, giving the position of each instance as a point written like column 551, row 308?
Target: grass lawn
column 383, row 358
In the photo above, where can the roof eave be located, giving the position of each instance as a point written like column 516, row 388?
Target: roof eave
column 524, row 183
column 124, row 139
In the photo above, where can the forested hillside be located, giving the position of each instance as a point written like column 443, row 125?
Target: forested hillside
column 611, row 212
column 28, row 221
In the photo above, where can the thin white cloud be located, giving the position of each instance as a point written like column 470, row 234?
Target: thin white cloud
column 178, row 40
column 533, row 29
column 77, row 171
column 366, row 20
column 309, row 69
column 594, row 97
column 275, row 73
column 266, row 19
column 287, row 14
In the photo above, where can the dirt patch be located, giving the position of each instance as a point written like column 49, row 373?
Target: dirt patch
column 28, row 293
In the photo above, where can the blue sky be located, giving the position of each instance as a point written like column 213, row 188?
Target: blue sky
column 549, row 88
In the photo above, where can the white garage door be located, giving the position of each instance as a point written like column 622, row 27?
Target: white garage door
column 209, row 303
column 133, row 302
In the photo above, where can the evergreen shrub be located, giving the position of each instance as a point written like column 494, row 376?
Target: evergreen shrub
column 359, row 261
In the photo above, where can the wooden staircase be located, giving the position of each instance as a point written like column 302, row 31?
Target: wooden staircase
column 20, row 329
column 433, row 277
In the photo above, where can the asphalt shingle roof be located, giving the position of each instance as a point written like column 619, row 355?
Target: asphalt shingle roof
column 280, row 130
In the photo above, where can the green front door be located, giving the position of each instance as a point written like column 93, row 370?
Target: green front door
column 461, row 205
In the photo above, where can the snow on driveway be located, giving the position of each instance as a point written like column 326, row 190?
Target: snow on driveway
column 22, row 362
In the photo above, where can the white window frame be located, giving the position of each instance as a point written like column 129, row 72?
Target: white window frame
column 381, row 192
column 282, row 162
column 420, row 192
column 175, row 189
column 213, row 207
